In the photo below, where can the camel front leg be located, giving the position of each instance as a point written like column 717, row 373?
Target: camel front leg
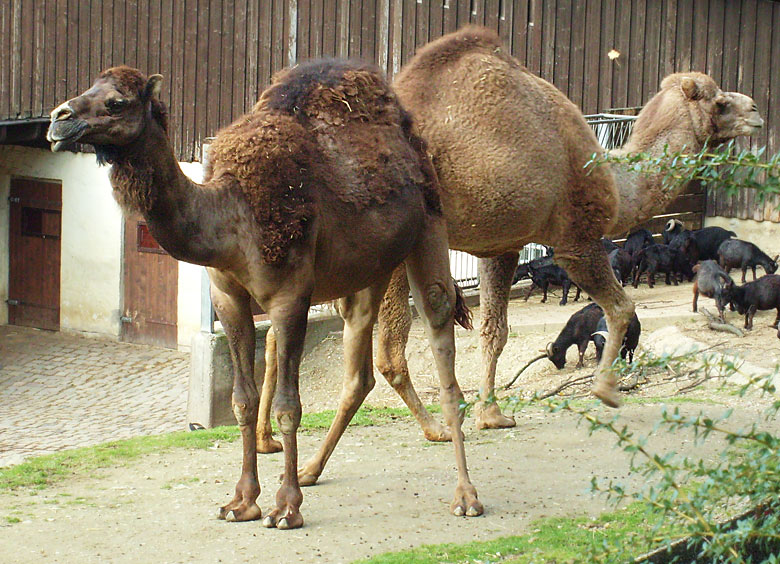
column 359, row 312
column 266, row 444
column 495, row 280
column 434, row 293
column 231, row 303
column 289, row 317
column 395, row 319
column 589, row 268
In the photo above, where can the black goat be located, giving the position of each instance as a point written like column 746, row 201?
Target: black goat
column 577, row 331
column 638, row 240
column 709, row 239
column 659, row 258
column 762, row 294
column 673, row 228
column 630, row 341
column 735, row 253
column 621, row 264
column 544, row 275
column 712, row 281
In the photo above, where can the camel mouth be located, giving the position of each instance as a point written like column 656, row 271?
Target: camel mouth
column 65, row 132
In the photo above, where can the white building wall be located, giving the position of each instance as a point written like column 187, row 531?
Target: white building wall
column 91, row 244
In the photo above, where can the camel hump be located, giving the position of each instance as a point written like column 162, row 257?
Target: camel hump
column 450, row 48
column 334, row 91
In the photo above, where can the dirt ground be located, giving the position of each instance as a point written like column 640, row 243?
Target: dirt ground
column 385, row 487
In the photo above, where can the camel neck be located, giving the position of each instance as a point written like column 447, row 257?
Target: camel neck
column 147, row 179
column 644, row 195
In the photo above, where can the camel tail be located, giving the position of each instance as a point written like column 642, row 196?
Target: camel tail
column 462, row 312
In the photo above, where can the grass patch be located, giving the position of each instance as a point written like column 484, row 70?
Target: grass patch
column 551, row 540
column 43, row 471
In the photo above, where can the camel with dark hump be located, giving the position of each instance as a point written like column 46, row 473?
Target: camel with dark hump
column 510, row 152
column 317, row 194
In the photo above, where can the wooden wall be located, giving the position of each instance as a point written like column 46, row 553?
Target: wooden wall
column 217, row 55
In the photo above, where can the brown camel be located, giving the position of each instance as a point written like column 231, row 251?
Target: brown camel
column 317, row 194
column 509, row 150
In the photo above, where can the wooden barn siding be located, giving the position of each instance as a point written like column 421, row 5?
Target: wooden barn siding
column 217, row 55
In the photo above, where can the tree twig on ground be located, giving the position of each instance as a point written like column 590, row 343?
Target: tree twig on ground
column 716, row 325
column 529, row 363
column 566, row 384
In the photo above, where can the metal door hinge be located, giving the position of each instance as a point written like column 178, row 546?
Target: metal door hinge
column 126, row 319
column 14, row 199
column 13, row 302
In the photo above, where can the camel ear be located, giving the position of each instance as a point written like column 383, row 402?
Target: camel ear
column 153, row 87
column 690, row 88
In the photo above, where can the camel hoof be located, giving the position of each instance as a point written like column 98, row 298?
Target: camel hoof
column 474, row 511
column 268, row 445
column 438, row 434
column 459, row 511
column 607, row 394
column 490, row 417
column 269, row 522
column 307, row 479
column 235, row 515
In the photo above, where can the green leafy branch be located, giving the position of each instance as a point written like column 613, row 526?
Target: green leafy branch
column 728, row 168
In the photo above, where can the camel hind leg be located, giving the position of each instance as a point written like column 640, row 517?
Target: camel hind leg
column 265, row 442
column 395, row 319
column 359, row 312
column 434, row 293
column 589, row 267
column 495, row 280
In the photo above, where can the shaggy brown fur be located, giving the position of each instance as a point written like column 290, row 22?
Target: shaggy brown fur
column 311, row 117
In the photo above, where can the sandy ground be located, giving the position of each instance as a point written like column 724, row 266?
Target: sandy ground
column 385, row 488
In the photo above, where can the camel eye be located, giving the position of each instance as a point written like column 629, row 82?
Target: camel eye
column 115, row 105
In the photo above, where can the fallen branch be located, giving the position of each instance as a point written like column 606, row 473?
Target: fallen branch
column 715, row 324
column 529, row 363
column 566, row 384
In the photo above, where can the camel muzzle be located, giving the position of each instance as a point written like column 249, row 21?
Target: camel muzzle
column 63, row 132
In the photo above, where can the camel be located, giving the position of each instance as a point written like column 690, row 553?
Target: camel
column 510, row 150
column 317, row 194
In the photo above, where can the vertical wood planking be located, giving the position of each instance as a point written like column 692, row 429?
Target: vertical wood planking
column 607, row 65
column 142, row 41
column 577, row 54
column 699, row 36
column 622, row 45
column 49, row 58
column 383, row 35
column 303, row 33
column 591, row 76
column 668, row 39
column 732, row 23
column 652, row 50
column 636, row 55
column 548, row 44
column 520, row 30
column 491, row 14
column 106, row 35
column 684, row 36
column 240, row 55
column 505, row 22
column 316, row 28
column 560, row 75
column 224, row 107
column 534, row 37
column 715, row 31
column 20, row 79
column 37, row 85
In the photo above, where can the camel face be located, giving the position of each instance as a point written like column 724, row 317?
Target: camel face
column 734, row 115
column 111, row 112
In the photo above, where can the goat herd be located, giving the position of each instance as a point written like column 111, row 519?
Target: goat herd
column 704, row 256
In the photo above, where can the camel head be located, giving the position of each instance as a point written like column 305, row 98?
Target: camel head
column 693, row 102
column 111, row 114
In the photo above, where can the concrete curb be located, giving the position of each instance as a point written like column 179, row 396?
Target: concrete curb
column 211, row 370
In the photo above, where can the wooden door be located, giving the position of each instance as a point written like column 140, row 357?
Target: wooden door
column 150, row 289
column 34, row 262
